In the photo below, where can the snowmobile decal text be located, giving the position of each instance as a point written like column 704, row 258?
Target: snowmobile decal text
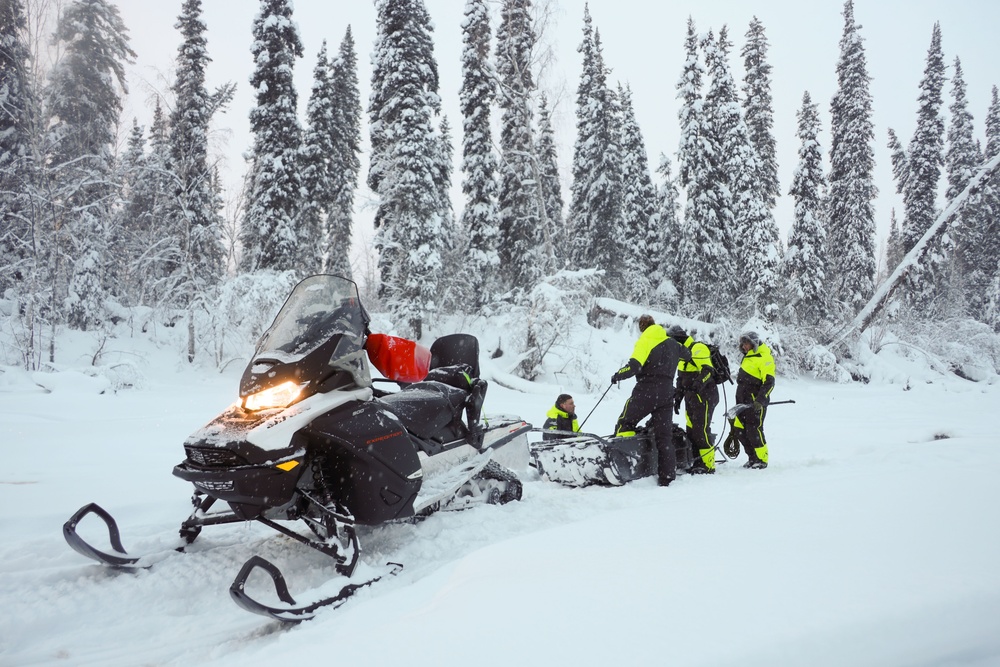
column 382, row 438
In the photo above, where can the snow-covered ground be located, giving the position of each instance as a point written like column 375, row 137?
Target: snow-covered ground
column 870, row 540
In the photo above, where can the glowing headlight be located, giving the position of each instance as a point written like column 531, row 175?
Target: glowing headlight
column 275, row 397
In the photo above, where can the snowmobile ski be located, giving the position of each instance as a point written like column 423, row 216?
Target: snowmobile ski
column 121, row 559
column 293, row 612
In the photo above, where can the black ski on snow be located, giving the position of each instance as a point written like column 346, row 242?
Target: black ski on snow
column 121, row 559
column 293, row 612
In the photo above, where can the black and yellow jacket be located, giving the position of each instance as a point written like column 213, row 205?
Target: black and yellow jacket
column 654, row 358
column 755, row 381
column 696, row 374
column 559, row 420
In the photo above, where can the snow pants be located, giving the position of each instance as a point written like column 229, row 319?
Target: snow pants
column 749, row 432
column 653, row 399
column 699, row 407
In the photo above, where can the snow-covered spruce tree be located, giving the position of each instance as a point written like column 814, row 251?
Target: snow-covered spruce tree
column 754, row 235
column 804, row 268
column 851, row 222
column 480, row 217
column 551, row 186
column 595, row 210
column 584, row 154
column 130, row 171
column 347, row 149
column 638, row 206
column 318, row 164
column 663, row 239
column 453, row 292
column 525, row 252
column 924, row 160
column 193, row 210
column 17, row 166
column 991, row 205
column 406, row 162
column 25, row 224
column 270, row 233
column 157, row 248
column 758, row 111
column 83, row 103
column 973, row 248
column 706, row 269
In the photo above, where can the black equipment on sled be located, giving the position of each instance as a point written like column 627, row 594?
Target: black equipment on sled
column 312, row 439
column 585, row 459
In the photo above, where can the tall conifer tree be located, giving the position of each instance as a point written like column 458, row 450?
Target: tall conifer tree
column 758, row 110
column 346, row 162
column 524, row 251
column 924, row 160
column 663, row 240
column 17, row 166
column 551, row 187
column 193, row 208
column 706, row 269
column 973, row 248
column 317, row 164
column 480, row 217
column 406, row 162
column 851, row 223
column 270, row 234
column 638, row 205
column 84, row 101
column 805, row 267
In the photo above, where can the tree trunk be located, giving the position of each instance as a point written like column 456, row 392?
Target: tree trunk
column 915, row 255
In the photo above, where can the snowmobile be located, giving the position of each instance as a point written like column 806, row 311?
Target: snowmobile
column 585, row 459
column 312, row 439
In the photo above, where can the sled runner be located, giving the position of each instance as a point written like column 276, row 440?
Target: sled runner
column 312, row 440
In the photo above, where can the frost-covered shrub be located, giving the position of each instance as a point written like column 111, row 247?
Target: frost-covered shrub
column 557, row 305
column 243, row 308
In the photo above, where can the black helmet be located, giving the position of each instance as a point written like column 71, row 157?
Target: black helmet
column 677, row 333
column 750, row 337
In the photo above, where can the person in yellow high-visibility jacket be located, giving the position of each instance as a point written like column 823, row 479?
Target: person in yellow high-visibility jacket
column 653, row 363
column 754, row 385
column 696, row 386
column 561, row 417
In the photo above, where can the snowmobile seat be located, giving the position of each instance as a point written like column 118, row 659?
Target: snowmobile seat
column 455, row 349
column 430, row 410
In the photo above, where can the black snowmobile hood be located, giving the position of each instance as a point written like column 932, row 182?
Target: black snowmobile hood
column 317, row 338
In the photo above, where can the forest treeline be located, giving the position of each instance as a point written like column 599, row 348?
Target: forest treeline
column 93, row 234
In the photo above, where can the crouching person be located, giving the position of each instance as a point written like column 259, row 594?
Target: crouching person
column 561, row 417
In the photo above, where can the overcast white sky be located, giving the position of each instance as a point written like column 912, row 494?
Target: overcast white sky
column 643, row 45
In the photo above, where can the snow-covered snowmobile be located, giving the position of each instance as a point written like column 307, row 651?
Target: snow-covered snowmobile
column 585, row 459
column 313, row 439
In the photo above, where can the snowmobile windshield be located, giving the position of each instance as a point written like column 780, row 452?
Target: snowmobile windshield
column 319, row 309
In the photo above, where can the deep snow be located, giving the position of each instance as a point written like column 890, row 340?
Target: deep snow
column 870, row 540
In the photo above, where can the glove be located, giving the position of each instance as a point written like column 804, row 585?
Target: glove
column 757, row 407
column 677, row 403
column 614, row 379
